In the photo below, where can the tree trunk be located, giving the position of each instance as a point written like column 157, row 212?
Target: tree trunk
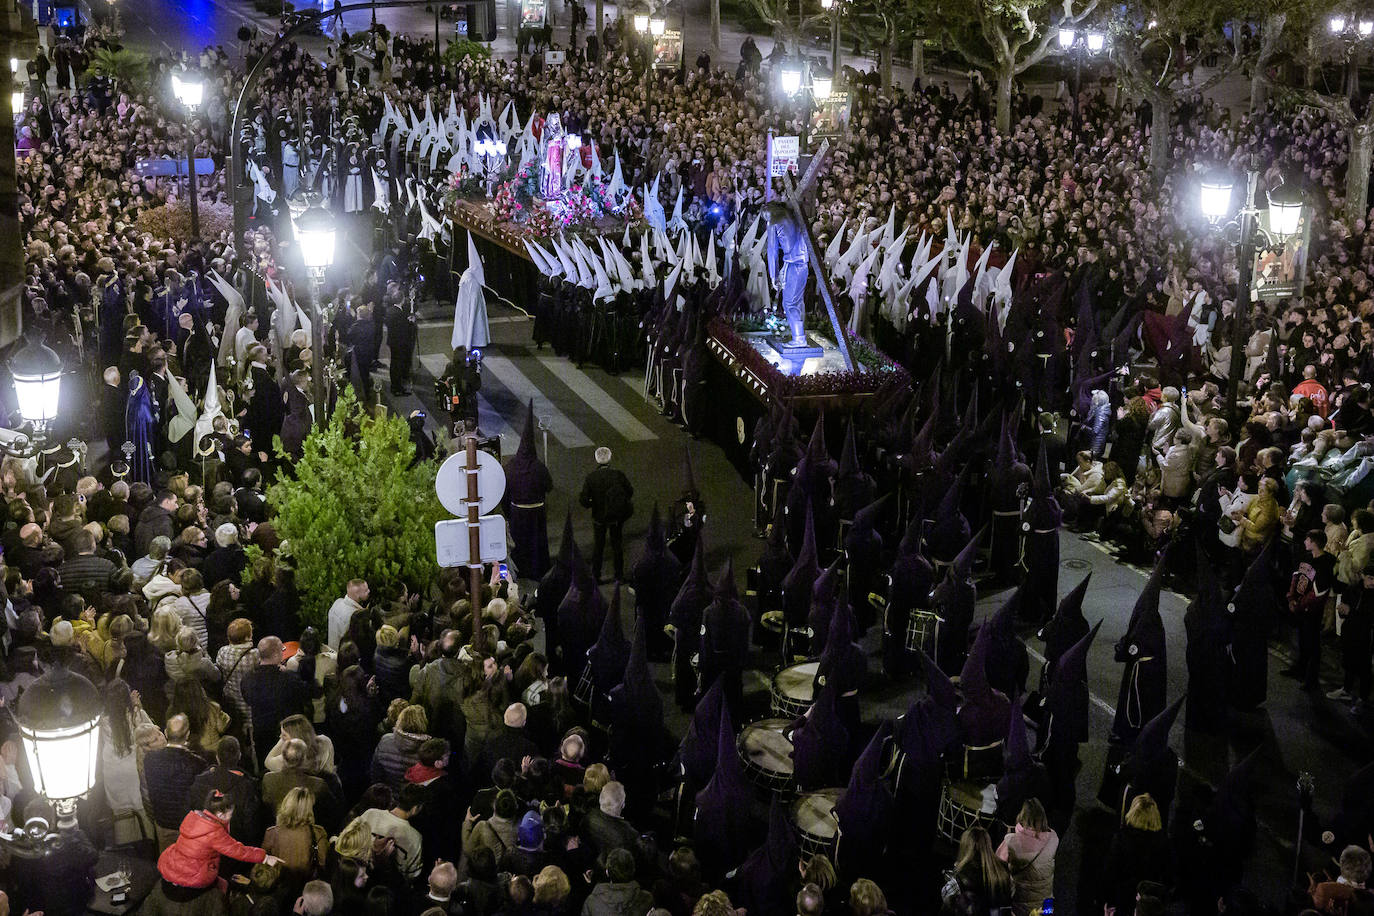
column 1160, row 105
column 715, row 26
column 597, row 24
column 885, row 55
column 918, row 57
column 1309, row 73
column 1004, row 78
column 1357, row 172
column 1270, row 32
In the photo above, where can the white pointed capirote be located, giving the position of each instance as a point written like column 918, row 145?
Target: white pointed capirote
column 475, row 260
column 833, row 250
column 209, row 407
column 983, row 280
column 859, row 285
column 470, row 328
column 617, row 186
column 890, row 229
column 676, row 223
column 185, row 418
column 712, row 277
column 540, row 263
column 750, row 234
column 670, row 284
column 1001, row 291
column 646, row 261
column 665, row 252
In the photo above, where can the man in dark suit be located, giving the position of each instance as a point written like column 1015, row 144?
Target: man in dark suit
column 169, row 773
column 608, row 493
column 400, row 336
column 272, row 693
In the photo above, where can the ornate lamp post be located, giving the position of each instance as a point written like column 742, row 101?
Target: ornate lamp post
column 1079, row 43
column 59, row 726
column 189, row 88
column 315, row 236
column 1285, row 210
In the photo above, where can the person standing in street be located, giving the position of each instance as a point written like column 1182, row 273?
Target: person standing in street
column 608, row 493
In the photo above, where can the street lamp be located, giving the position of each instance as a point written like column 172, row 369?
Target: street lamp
column 1075, row 42
column 657, row 26
column 17, row 101
column 37, row 374
column 790, row 78
column 1350, row 31
column 315, row 236
column 491, row 148
column 641, row 21
column 833, row 8
column 189, row 88
column 1285, row 210
column 59, row 725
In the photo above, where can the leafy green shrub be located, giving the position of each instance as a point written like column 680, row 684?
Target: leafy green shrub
column 126, row 68
column 460, row 49
column 356, row 509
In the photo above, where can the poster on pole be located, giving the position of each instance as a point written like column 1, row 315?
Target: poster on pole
column 830, row 117
column 668, row 50
column 1280, row 268
column 786, row 151
column 533, row 13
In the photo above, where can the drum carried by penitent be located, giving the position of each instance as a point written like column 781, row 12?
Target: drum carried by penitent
column 817, row 827
column 766, row 753
column 961, row 806
column 794, row 689
column 923, row 632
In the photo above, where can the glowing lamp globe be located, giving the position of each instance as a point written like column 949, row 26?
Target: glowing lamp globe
column 1096, row 41
column 657, row 26
column 1285, row 210
column 17, row 102
column 1215, row 197
column 315, row 232
column 1366, row 27
column 821, row 87
column 641, row 23
column 14, row 65
column 1336, row 24
column 827, row 5
column 37, row 373
column 59, row 726
column 188, row 87
column 1066, row 37
column 790, row 79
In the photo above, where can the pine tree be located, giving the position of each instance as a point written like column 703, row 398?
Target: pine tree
column 357, row 509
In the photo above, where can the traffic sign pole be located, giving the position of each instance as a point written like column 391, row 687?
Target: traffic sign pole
column 474, row 543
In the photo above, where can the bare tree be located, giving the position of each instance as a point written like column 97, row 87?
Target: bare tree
column 1158, row 49
column 1008, row 37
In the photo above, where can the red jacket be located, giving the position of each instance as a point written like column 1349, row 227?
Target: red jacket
column 193, row 860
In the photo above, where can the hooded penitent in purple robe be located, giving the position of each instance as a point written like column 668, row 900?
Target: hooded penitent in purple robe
column 1145, row 679
column 1040, row 554
column 685, row 616
column 762, row 884
column 820, row 745
column 580, row 617
column 724, row 825
column 656, row 576
column 528, row 483
column 865, row 810
column 553, row 587
column 725, row 639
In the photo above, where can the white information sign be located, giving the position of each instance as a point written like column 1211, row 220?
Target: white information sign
column 786, row 152
column 451, row 540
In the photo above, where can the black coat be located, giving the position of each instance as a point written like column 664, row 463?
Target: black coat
column 608, row 493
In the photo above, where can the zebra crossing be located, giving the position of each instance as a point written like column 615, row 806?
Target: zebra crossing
column 588, row 411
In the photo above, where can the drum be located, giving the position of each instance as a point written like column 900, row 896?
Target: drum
column 817, row 827
column 960, row 808
column 793, row 689
column 767, row 754
column 584, row 690
column 923, row 632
